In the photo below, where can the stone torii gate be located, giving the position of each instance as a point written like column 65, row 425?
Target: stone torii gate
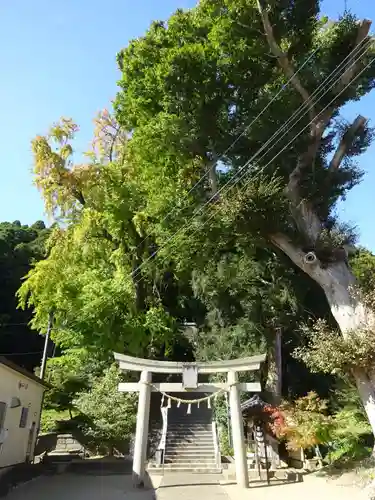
column 189, row 372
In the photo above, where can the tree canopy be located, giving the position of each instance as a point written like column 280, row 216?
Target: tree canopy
column 209, row 193
column 21, row 246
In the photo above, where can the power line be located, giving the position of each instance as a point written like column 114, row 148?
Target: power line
column 295, row 137
column 245, row 130
column 324, row 109
column 20, row 353
column 5, row 325
column 197, row 211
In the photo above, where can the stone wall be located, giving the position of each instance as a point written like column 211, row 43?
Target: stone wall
column 58, row 443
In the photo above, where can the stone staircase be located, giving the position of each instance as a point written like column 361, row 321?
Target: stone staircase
column 190, row 441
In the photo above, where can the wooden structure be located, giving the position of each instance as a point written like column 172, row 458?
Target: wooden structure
column 263, row 447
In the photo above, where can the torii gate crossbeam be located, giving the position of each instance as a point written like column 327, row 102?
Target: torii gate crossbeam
column 144, row 387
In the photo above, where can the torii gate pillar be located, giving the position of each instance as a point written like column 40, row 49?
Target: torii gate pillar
column 189, row 372
column 141, row 432
column 240, row 458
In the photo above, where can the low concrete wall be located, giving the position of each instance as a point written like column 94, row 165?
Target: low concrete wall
column 10, row 477
column 58, row 443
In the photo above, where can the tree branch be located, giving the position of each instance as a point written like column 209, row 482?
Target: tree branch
column 321, row 121
column 298, row 257
column 77, row 193
column 304, row 216
column 352, row 69
column 212, row 177
column 346, row 141
column 283, row 59
column 295, row 254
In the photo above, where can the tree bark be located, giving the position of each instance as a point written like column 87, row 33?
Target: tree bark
column 212, row 175
column 367, row 394
column 347, row 308
column 274, row 369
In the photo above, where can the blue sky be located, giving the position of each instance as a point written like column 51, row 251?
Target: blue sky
column 58, row 59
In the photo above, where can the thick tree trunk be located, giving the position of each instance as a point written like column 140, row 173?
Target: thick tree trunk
column 350, row 314
column 366, row 391
column 338, row 281
column 274, row 369
column 338, row 284
column 212, row 175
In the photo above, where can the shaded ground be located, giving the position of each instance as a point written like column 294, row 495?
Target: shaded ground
column 191, row 486
column 83, row 486
column 313, row 487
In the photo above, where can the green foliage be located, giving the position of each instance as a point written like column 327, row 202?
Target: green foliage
column 306, row 422
column 328, row 352
column 69, row 374
column 20, row 247
column 349, row 439
column 51, row 420
column 85, row 398
column 107, row 415
column 191, row 84
column 225, row 448
column 117, row 276
column 363, row 265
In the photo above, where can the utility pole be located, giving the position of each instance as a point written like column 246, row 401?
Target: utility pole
column 45, row 350
column 279, row 364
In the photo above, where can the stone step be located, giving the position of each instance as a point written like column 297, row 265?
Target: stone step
column 190, row 440
column 179, row 420
column 183, row 427
column 190, row 452
column 195, row 434
column 191, row 446
column 189, row 431
column 187, row 428
column 172, row 469
column 195, row 425
column 184, row 416
column 190, row 449
column 197, row 468
column 191, row 461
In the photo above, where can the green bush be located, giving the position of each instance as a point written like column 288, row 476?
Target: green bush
column 50, row 419
column 106, row 416
column 225, row 448
column 351, row 437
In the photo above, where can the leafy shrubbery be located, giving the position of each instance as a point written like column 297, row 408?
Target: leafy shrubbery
column 93, row 407
column 352, row 437
column 329, row 352
column 305, row 423
column 340, row 426
column 110, row 415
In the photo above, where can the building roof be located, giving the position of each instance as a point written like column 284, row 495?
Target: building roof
column 255, row 402
column 9, row 364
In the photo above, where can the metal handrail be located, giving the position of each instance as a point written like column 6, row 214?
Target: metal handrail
column 163, row 439
column 216, row 444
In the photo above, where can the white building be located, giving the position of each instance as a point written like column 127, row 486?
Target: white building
column 21, row 395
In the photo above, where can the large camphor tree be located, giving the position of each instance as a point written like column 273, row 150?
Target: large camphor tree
column 193, row 84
